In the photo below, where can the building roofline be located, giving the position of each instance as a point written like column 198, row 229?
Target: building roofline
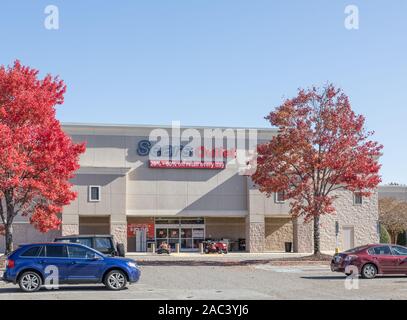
column 393, row 186
column 152, row 126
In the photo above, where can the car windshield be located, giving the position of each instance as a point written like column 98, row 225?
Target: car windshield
column 400, row 251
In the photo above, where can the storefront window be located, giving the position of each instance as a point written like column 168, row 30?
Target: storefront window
column 173, row 233
column 186, row 233
column 161, row 233
column 172, row 243
column 166, row 221
column 193, row 221
column 159, row 241
column 198, row 233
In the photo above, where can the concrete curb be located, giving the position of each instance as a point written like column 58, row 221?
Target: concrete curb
column 228, row 263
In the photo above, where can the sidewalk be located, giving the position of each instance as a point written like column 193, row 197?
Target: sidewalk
column 230, row 259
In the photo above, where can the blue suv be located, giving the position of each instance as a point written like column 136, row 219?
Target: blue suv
column 33, row 265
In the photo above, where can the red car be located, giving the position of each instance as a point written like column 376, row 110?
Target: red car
column 371, row 260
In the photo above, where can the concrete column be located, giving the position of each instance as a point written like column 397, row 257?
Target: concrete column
column 302, row 236
column 255, row 233
column 70, row 224
column 255, row 221
column 119, row 231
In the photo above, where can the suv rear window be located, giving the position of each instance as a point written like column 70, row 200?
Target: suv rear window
column 103, row 244
column 85, row 241
column 57, row 251
column 32, row 252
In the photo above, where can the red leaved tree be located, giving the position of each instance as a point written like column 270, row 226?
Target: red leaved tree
column 321, row 146
column 37, row 158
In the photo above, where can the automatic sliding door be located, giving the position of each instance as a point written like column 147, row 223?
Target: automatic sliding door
column 198, row 236
column 186, row 239
column 161, row 235
column 173, row 237
column 188, row 232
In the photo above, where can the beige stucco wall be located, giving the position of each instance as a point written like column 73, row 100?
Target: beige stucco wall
column 393, row 191
column 277, row 232
column 26, row 233
column 157, row 192
column 227, row 228
column 363, row 218
column 113, row 195
column 186, row 192
column 302, row 236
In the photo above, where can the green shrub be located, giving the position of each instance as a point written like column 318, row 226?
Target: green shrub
column 401, row 239
column 384, row 235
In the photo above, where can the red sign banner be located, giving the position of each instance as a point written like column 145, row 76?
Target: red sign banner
column 186, row 165
column 133, row 227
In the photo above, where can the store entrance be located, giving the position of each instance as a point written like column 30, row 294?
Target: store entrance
column 188, row 232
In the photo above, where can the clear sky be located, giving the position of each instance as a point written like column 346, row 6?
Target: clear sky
column 216, row 62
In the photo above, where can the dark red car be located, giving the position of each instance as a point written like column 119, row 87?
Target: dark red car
column 371, row 260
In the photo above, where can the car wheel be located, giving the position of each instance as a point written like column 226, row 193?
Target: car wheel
column 30, row 281
column 115, row 280
column 369, row 271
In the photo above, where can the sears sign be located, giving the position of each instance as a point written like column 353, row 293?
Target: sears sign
column 146, row 148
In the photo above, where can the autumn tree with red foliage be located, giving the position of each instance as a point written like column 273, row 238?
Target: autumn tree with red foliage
column 37, row 158
column 321, row 147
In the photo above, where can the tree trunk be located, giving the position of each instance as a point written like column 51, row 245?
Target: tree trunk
column 393, row 237
column 8, row 238
column 317, row 236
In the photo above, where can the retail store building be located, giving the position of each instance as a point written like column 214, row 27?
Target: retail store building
column 142, row 201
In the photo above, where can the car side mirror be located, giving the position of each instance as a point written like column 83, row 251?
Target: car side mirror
column 96, row 258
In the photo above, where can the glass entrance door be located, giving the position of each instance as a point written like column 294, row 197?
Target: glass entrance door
column 188, row 232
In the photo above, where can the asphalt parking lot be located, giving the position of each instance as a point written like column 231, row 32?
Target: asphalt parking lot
column 238, row 282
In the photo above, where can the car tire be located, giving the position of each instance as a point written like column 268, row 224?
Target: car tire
column 115, row 280
column 369, row 271
column 30, row 281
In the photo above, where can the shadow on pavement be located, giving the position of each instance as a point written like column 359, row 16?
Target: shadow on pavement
column 324, row 277
column 344, row 277
column 61, row 289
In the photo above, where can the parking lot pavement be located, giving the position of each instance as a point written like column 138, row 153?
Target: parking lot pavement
column 237, row 282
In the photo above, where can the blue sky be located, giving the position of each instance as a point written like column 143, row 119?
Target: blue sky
column 216, row 62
